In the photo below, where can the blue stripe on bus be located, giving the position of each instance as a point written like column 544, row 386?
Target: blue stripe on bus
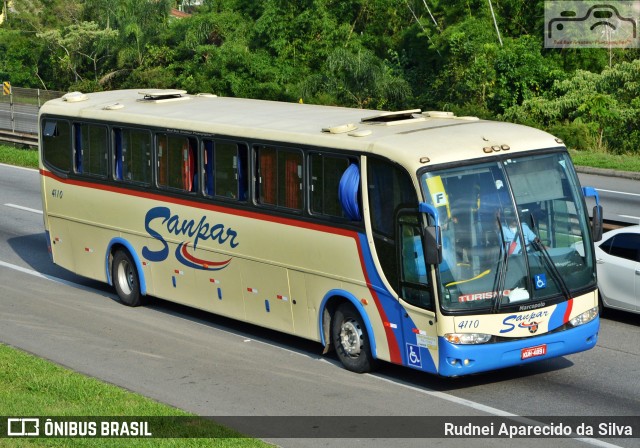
column 557, row 318
column 485, row 357
column 393, row 311
column 136, row 260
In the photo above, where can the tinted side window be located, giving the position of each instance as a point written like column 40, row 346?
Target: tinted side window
column 279, row 177
column 132, row 155
column 91, row 149
column 56, row 144
column 177, row 161
column 625, row 245
column 390, row 188
column 225, row 169
column 326, row 173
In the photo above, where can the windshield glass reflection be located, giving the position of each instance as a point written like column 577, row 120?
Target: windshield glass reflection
column 512, row 232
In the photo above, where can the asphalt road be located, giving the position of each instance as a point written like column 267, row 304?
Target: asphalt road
column 620, row 197
column 215, row 366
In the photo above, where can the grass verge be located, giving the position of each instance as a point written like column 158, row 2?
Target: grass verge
column 19, row 157
column 30, row 386
column 618, row 162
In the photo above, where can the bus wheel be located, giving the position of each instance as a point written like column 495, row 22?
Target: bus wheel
column 125, row 279
column 351, row 340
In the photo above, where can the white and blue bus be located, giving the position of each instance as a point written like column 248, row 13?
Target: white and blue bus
column 446, row 244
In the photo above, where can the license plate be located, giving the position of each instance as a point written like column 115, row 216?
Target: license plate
column 532, row 352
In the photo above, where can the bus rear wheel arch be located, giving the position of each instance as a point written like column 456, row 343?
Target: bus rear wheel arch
column 125, row 278
column 350, row 339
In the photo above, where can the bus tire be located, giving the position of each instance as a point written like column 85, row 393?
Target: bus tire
column 125, row 279
column 350, row 339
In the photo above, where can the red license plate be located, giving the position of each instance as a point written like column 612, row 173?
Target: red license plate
column 532, row 352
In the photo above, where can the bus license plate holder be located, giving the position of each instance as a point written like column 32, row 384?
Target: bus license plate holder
column 532, row 352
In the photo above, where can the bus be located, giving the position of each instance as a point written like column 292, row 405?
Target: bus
column 443, row 243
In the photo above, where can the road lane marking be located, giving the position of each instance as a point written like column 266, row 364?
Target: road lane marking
column 630, row 217
column 441, row 395
column 18, row 167
column 49, row 277
column 619, row 192
column 487, row 409
column 26, row 209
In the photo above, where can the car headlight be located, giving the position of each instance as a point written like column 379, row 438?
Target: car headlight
column 585, row 317
column 467, row 338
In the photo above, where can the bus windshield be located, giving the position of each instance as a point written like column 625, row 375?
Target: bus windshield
column 513, row 233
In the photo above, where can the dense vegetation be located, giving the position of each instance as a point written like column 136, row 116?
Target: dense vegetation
column 384, row 54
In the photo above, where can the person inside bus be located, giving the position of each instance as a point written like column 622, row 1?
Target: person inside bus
column 513, row 235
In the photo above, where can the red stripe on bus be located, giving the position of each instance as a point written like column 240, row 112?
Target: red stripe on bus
column 567, row 313
column 201, row 205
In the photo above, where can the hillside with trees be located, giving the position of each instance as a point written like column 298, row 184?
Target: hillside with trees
column 473, row 57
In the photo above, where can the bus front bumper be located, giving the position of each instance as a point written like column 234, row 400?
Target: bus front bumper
column 458, row 360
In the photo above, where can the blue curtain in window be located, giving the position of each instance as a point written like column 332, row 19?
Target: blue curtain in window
column 78, row 155
column 118, row 161
column 348, row 192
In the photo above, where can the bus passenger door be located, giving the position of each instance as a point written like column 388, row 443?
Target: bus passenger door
column 416, row 296
column 267, row 300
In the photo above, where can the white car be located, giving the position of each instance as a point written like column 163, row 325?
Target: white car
column 618, row 258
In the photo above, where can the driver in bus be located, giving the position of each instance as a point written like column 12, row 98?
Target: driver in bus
column 512, row 233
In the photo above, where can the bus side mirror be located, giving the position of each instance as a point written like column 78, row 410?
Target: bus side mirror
column 432, row 235
column 432, row 245
column 597, row 223
column 597, row 218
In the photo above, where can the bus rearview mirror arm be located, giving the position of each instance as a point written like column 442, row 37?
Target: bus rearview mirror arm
column 432, row 239
column 597, row 220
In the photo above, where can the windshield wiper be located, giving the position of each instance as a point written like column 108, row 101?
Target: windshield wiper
column 501, row 274
column 537, row 245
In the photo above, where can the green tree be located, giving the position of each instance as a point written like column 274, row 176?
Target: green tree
column 358, row 79
column 80, row 42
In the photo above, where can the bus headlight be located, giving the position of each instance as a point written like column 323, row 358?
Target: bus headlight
column 585, row 317
column 467, row 338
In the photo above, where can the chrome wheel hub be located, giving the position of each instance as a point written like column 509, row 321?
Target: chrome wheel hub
column 351, row 337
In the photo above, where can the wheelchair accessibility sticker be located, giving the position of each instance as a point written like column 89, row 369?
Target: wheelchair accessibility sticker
column 413, row 356
column 540, row 281
column 579, row 24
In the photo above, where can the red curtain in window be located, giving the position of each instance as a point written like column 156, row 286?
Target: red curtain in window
column 268, row 176
column 292, row 182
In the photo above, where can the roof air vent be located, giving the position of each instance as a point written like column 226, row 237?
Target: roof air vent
column 340, row 129
column 162, row 96
column 75, row 97
column 438, row 114
column 394, row 118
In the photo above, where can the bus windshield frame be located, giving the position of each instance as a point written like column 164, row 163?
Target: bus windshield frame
column 515, row 233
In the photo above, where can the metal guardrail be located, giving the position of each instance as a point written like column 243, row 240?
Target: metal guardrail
column 19, row 114
column 19, row 138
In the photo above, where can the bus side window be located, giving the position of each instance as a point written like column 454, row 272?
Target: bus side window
column 229, row 166
column 225, row 169
column 413, row 270
column 176, row 162
column 91, row 149
column 132, row 155
column 326, row 174
column 56, row 144
column 208, row 172
column 279, row 180
column 390, row 188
